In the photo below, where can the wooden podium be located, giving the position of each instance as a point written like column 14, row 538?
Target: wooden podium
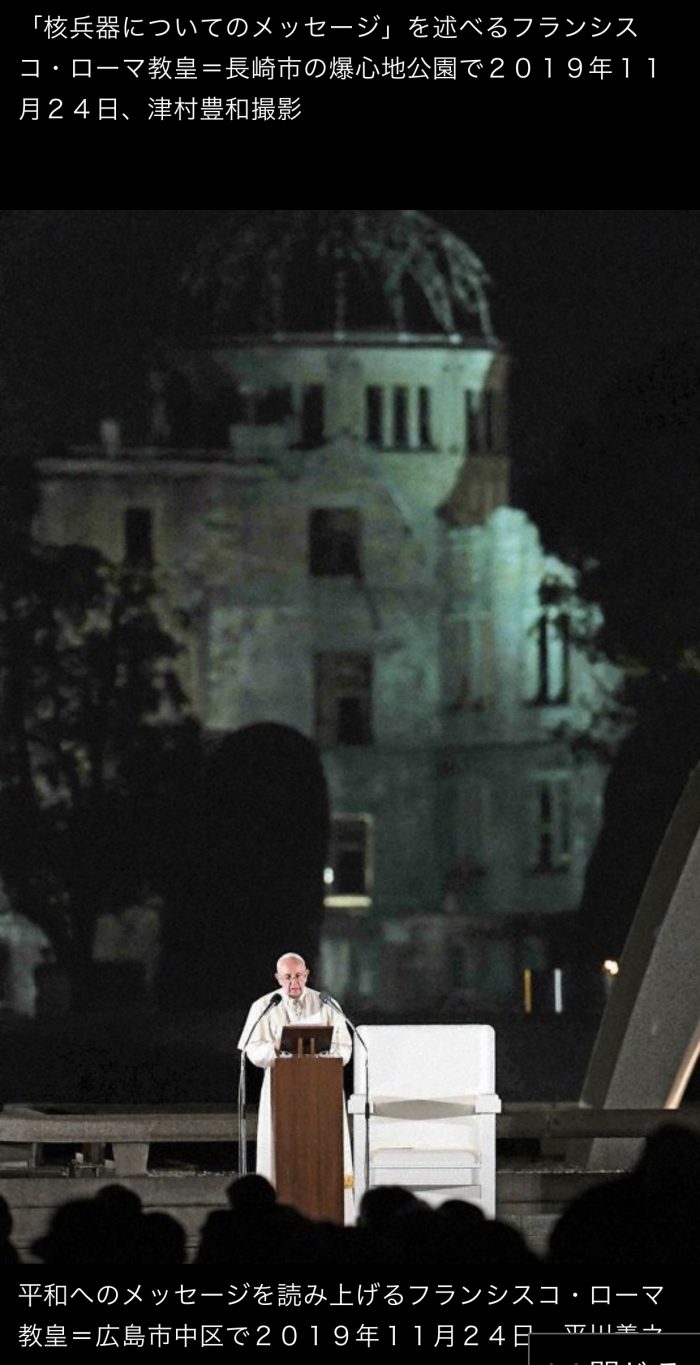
column 307, row 1130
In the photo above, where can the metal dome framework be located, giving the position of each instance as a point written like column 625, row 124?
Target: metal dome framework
column 256, row 263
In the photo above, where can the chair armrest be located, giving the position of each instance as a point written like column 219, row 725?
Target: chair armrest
column 424, row 1107
column 359, row 1104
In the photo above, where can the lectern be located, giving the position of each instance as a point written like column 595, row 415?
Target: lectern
column 307, row 1124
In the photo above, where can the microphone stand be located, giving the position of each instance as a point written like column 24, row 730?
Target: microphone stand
column 328, row 1000
column 242, row 1119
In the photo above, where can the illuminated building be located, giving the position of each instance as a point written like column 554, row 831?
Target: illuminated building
column 323, row 488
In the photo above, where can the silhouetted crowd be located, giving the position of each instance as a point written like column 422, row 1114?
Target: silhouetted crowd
column 649, row 1215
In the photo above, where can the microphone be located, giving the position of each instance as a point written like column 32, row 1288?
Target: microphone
column 242, row 1122
column 327, row 999
column 274, row 1000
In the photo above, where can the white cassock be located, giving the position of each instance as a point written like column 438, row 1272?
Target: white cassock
column 261, row 1051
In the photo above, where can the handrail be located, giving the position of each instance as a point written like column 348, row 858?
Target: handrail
column 130, row 1131
column 577, row 1121
column 183, row 1123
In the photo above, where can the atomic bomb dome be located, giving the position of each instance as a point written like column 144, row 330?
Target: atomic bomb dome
column 321, row 484
column 338, row 271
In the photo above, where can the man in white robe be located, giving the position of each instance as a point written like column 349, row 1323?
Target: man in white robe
column 260, row 1041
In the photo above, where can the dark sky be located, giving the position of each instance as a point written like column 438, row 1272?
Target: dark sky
column 577, row 295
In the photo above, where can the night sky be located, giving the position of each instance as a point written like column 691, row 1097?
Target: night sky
column 576, row 296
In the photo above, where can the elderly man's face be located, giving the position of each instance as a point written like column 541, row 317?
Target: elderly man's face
column 292, row 976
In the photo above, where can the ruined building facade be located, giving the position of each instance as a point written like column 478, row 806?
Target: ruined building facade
column 324, row 489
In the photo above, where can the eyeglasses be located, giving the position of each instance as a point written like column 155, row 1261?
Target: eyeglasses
column 298, row 976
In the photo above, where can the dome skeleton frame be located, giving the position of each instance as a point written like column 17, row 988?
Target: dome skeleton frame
column 401, row 247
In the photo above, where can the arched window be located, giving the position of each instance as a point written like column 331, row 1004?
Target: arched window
column 343, row 685
column 550, row 824
column 553, row 642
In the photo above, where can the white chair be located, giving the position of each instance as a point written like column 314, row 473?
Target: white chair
column 424, row 1111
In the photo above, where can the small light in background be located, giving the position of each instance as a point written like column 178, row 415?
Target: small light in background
column 328, row 876
column 611, row 969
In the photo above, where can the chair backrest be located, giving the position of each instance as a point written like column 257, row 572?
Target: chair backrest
column 427, row 1061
